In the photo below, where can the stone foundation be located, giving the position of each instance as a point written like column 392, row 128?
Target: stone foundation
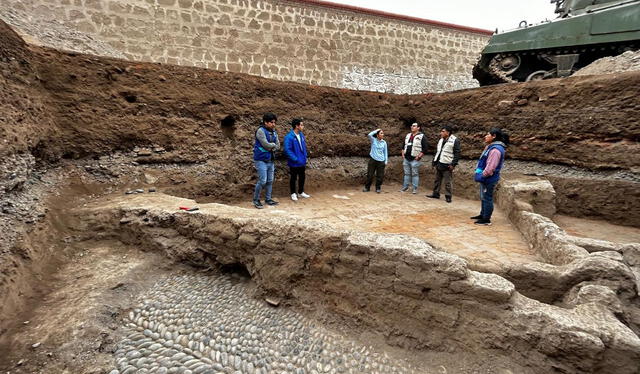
column 394, row 283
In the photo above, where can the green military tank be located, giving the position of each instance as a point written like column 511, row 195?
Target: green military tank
column 584, row 31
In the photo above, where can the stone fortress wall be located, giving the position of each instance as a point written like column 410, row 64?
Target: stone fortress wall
column 303, row 40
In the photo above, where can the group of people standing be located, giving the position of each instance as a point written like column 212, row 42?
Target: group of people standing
column 445, row 160
column 415, row 145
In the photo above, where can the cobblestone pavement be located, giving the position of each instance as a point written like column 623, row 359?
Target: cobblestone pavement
column 208, row 324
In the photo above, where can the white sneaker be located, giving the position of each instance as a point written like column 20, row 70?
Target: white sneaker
column 305, row 195
column 294, row 197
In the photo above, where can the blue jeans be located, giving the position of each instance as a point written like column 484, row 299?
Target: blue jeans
column 486, row 195
column 265, row 179
column 411, row 173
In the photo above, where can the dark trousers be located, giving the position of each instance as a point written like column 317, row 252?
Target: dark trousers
column 377, row 168
column 486, row 196
column 297, row 173
column 446, row 176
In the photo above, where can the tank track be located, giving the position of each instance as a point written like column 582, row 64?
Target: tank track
column 487, row 71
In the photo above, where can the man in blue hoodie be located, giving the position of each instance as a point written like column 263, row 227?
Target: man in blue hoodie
column 266, row 143
column 295, row 148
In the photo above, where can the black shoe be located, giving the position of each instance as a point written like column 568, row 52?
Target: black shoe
column 448, row 198
column 403, row 189
column 378, row 190
column 366, row 189
column 271, row 202
column 433, row 196
column 258, row 204
column 476, row 217
column 483, row 221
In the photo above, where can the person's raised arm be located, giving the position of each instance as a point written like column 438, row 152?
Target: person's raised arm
column 372, row 134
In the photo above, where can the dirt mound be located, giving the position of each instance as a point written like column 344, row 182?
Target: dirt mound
column 12, row 45
column 628, row 61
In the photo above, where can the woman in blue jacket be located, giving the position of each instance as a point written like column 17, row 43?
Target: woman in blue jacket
column 488, row 171
column 295, row 148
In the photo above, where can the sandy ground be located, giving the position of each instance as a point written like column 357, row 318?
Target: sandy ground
column 73, row 324
column 445, row 226
column 596, row 229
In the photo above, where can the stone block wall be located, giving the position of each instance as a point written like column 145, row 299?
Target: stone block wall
column 303, row 41
column 393, row 284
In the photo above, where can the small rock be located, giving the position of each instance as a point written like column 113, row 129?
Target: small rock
column 144, row 152
column 36, row 345
column 272, row 301
column 522, row 102
column 150, row 178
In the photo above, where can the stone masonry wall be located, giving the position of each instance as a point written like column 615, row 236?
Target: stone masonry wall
column 396, row 285
column 302, row 41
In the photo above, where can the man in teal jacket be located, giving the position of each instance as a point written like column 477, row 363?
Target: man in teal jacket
column 295, row 148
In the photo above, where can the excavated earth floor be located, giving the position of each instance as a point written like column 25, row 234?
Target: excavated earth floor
column 444, row 226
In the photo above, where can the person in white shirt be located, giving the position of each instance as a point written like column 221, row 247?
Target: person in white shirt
column 445, row 160
column 415, row 146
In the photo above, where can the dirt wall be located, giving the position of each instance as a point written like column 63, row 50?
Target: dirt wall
column 101, row 105
column 63, row 105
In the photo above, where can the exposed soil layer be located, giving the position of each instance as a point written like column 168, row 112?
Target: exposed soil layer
column 99, row 105
column 598, row 229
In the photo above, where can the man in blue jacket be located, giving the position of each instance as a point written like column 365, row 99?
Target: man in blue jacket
column 266, row 143
column 295, row 148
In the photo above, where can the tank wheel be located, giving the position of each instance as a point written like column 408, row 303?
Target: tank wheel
column 537, row 76
column 507, row 65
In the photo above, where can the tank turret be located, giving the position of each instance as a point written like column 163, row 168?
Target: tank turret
column 584, row 31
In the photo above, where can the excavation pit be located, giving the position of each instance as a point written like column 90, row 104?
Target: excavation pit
column 352, row 267
column 80, row 260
